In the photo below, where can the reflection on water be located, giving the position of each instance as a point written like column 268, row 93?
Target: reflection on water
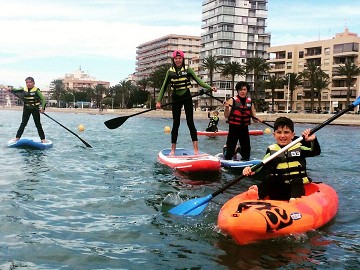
column 306, row 251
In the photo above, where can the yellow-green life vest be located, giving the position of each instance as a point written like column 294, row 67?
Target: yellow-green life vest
column 179, row 80
column 30, row 97
column 290, row 165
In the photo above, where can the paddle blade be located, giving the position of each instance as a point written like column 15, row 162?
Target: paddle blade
column 192, row 207
column 87, row 145
column 356, row 102
column 115, row 122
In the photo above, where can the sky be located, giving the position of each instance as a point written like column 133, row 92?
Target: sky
column 46, row 39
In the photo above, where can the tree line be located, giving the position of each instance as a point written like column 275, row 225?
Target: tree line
column 127, row 95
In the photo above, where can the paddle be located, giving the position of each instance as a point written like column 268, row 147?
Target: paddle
column 254, row 117
column 88, row 145
column 196, row 206
column 118, row 121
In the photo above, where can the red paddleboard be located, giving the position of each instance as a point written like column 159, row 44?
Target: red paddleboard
column 254, row 132
column 184, row 160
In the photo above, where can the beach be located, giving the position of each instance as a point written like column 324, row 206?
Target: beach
column 346, row 119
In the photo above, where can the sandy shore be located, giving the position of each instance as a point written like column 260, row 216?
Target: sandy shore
column 346, row 119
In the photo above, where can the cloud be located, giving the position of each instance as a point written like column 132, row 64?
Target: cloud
column 303, row 21
column 51, row 38
column 84, row 31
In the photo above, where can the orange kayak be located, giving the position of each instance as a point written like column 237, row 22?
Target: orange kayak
column 247, row 219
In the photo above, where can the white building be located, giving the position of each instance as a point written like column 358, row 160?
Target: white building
column 233, row 30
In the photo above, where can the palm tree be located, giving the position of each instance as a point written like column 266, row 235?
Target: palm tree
column 292, row 82
column 99, row 92
column 157, row 77
column 309, row 75
column 349, row 70
column 211, row 64
column 232, row 68
column 258, row 67
column 57, row 89
column 124, row 92
column 143, row 83
column 273, row 83
column 322, row 81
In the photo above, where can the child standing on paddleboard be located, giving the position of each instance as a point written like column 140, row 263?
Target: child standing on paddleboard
column 179, row 76
column 239, row 110
column 34, row 104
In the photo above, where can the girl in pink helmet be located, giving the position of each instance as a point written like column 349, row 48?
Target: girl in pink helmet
column 179, row 76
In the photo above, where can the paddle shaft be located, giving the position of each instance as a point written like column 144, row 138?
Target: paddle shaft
column 163, row 105
column 88, row 145
column 254, row 117
column 118, row 121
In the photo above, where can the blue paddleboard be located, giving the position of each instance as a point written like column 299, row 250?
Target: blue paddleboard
column 236, row 163
column 32, row 143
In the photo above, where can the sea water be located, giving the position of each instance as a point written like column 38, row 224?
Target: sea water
column 105, row 207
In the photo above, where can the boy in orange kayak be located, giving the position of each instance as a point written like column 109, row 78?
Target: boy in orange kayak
column 286, row 173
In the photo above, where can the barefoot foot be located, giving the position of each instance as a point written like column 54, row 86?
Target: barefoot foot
column 253, row 192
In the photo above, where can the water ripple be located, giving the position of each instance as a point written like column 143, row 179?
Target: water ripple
column 72, row 207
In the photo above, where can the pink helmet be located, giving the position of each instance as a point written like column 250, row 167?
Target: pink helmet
column 178, row 53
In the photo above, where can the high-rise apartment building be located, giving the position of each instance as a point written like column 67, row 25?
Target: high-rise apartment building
column 233, row 30
column 155, row 53
column 327, row 54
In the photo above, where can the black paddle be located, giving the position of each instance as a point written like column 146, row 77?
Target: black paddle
column 254, row 117
column 196, row 206
column 88, row 145
column 118, row 121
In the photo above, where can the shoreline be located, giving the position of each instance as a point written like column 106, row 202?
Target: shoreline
column 309, row 118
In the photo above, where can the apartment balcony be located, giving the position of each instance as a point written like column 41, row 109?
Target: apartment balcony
column 224, row 52
column 226, row 35
column 350, row 53
column 225, row 11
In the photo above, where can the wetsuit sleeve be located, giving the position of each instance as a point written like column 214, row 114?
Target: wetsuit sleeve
column 164, row 87
column 42, row 98
column 197, row 79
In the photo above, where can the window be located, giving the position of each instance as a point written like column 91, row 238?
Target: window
column 301, row 54
column 289, row 55
column 347, row 47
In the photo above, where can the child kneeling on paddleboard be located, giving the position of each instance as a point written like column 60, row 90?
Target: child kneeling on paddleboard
column 214, row 120
column 286, row 173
